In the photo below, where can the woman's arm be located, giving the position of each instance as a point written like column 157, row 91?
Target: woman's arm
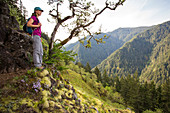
column 29, row 24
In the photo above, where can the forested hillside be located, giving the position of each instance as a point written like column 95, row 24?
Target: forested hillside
column 146, row 53
column 98, row 52
column 159, row 68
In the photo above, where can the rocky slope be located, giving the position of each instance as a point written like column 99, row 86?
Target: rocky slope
column 41, row 92
column 15, row 46
column 44, row 92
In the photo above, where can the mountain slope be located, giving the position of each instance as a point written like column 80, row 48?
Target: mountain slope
column 139, row 52
column 159, row 68
column 98, row 53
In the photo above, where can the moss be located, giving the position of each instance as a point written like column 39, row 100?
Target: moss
column 52, row 104
column 15, row 106
column 58, row 97
column 29, row 103
column 45, row 98
column 37, row 110
column 46, row 81
column 53, row 99
column 2, row 108
column 73, row 111
column 64, row 89
column 51, row 75
column 45, row 93
column 46, row 104
column 60, row 92
column 23, row 101
column 58, row 106
column 56, row 90
column 69, row 94
column 35, row 104
column 44, row 111
column 43, row 73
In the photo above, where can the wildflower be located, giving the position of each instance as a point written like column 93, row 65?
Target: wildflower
column 46, row 86
column 22, row 80
column 36, row 86
column 36, row 90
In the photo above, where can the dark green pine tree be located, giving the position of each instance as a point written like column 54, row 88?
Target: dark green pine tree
column 133, row 93
column 111, row 80
column 88, row 68
column 166, row 97
column 159, row 97
column 124, row 89
column 130, row 91
column 97, row 72
column 117, row 84
column 105, row 79
column 80, row 64
column 144, row 96
column 152, row 96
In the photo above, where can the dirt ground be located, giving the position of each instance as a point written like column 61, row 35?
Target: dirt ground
column 8, row 76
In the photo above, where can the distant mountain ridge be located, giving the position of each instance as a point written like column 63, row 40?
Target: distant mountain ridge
column 148, row 53
column 99, row 52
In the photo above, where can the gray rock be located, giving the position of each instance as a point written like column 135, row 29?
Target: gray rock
column 15, row 46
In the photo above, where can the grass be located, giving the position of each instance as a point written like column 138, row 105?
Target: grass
column 77, row 82
column 87, row 95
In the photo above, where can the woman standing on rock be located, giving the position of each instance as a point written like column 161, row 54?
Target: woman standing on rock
column 37, row 44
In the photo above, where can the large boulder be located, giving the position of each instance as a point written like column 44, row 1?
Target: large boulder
column 15, row 45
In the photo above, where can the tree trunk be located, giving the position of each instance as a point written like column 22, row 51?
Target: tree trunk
column 52, row 37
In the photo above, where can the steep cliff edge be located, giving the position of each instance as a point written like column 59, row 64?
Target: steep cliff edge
column 15, row 46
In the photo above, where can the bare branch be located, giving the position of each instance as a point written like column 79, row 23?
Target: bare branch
column 88, row 31
column 57, row 10
column 50, row 13
column 57, row 40
column 69, row 17
column 82, row 12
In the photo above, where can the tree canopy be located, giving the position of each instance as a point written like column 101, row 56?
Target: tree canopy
column 83, row 14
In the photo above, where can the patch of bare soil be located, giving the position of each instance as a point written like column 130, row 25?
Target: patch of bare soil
column 8, row 76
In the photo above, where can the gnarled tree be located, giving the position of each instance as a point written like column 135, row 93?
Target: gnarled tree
column 83, row 14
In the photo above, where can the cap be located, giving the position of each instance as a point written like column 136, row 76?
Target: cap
column 38, row 8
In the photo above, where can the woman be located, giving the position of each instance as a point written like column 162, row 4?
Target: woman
column 37, row 44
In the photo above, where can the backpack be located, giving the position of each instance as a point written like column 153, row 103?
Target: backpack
column 27, row 29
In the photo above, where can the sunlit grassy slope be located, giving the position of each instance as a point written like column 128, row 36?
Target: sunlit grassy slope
column 88, row 95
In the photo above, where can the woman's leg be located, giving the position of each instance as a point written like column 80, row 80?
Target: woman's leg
column 37, row 51
column 41, row 53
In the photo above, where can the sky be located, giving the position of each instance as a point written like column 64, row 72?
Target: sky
column 133, row 13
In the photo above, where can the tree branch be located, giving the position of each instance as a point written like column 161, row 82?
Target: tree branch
column 73, row 13
column 94, row 19
column 50, row 13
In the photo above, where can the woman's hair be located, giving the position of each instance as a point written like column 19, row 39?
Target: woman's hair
column 34, row 14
